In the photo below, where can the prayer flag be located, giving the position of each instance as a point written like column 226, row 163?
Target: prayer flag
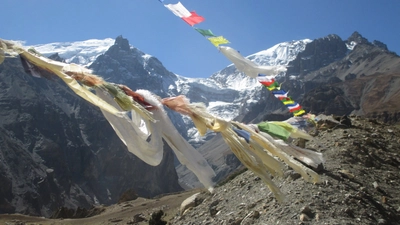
column 193, row 19
column 294, row 107
column 267, row 82
column 216, row 41
column 287, row 102
column 248, row 67
column 299, row 113
column 205, row 33
column 179, row 10
column 264, row 78
column 274, row 130
column 285, row 98
column 273, row 86
column 242, row 133
column 280, row 94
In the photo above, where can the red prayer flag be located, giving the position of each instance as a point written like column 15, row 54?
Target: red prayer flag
column 298, row 107
column 283, row 98
column 267, row 82
column 193, row 19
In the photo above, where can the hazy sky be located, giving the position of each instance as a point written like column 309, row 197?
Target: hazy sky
column 250, row 25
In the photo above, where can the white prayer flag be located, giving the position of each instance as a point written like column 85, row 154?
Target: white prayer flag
column 178, row 9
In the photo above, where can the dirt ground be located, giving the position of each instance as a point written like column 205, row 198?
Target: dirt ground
column 116, row 214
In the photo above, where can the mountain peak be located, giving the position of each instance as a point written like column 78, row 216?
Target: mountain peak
column 357, row 38
column 332, row 36
column 123, row 43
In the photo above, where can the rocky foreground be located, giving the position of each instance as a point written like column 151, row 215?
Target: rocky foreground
column 360, row 185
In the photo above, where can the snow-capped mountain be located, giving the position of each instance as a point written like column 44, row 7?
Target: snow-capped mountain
column 80, row 52
column 279, row 54
column 224, row 93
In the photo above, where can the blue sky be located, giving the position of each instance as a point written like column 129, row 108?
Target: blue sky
column 250, row 25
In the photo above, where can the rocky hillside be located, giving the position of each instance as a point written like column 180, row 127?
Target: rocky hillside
column 359, row 185
column 56, row 151
column 363, row 81
column 343, row 76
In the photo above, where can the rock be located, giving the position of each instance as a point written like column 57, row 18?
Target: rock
column 345, row 121
column 138, row 218
column 317, row 217
column 49, row 171
column 304, row 217
column 213, row 211
column 190, row 202
column 349, row 212
column 292, row 175
column 115, row 220
column 301, row 143
column 236, row 221
column 242, row 205
column 306, row 210
column 375, row 184
column 382, row 222
column 214, row 203
column 128, row 195
column 346, row 174
column 156, row 218
column 384, row 199
column 255, row 215
column 213, row 207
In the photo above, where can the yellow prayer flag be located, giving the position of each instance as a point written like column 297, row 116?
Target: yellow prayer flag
column 273, row 88
column 289, row 102
column 216, row 41
column 299, row 113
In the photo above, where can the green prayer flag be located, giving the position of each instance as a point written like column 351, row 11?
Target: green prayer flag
column 205, row 33
column 274, row 130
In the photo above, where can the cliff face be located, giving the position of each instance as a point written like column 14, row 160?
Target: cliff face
column 335, row 76
column 56, row 150
column 127, row 65
column 317, row 54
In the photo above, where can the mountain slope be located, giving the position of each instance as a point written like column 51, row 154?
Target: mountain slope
column 56, row 150
column 366, row 77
